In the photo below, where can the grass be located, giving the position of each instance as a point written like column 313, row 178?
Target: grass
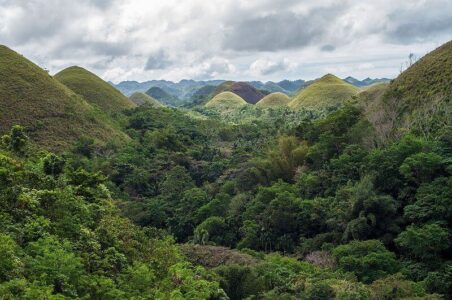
column 95, row 90
column 418, row 100
column 140, row 98
column 430, row 77
column 225, row 101
column 54, row 116
column 274, row 100
column 328, row 91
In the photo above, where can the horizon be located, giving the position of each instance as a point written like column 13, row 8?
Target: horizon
column 253, row 41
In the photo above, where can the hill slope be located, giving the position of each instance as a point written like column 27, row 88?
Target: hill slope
column 274, row 100
column 242, row 89
column 418, row 99
column 226, row 100
column 54, row 116
column 328, row 91
column 162, row 96
column 141, row 98
column 95, row 90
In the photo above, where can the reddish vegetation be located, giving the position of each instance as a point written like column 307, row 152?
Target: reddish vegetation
column 213, row 256
column 243, row 89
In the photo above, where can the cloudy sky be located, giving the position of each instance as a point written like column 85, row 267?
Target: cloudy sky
column 225, row 39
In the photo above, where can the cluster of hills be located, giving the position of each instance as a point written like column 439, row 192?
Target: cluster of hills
column 324, row 93
column 86, row 103
column 141, row 201
column 186, row 92
column 57, row 111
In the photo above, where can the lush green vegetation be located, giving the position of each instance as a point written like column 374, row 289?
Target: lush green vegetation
column 96, row 91
column 328, row 91
column 231, row 203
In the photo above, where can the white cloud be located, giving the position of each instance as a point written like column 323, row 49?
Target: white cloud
column 264, row 66
column 230, row 39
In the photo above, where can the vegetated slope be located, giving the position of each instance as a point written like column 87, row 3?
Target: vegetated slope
column 54, row 116
column 95, row 90
column 162, row 96
column 418, row 99
column 274, row 100
column 242, row 89
column 328, row 91
column 140, row 98
column 202, row 95
column 226, row 100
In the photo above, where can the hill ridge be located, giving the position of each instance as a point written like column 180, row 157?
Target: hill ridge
column 94, row 89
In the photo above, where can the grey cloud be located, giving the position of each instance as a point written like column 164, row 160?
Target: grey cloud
column 283, row 30
column 420, row 22
column 158, row 61
column 328, row 48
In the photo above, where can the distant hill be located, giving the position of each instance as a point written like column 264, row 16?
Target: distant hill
column 419, row 99
column 226, row 100
column 202, row 95
column 328, row 91
column 141, row 98
column 162, row 96
column 274, row 100
column 187, row 93
column 95, row 90
column 365, row 82
column 242, row 89
column 55, row 117
column 292, row 86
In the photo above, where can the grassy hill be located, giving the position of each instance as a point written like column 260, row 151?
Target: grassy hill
column 328, row 91
column 140, row 98
column 54, row 116
column 95, row 90
column 226, row 100
column 274, row 100
column 242, row 89
column 162, row 96
column 417, row 100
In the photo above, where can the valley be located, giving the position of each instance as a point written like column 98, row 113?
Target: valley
column 216, row 189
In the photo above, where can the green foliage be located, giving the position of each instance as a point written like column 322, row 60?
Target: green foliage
column 369, row 260
column 424, row 242
column 239, row 282
column 17, row 139
column 10, row 262
column 53, row 164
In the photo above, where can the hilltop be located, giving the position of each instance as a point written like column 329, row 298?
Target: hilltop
column 162, row 96
column 418, row 99
column 141, row 98
column 54, row 116
column 274, row 100
column 95, row 90
column 226, row 100
column 328, row 91
column 242, row 89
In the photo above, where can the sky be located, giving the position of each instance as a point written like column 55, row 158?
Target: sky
column 225, row 39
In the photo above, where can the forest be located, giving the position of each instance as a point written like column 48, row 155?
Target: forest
column 333, row 195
